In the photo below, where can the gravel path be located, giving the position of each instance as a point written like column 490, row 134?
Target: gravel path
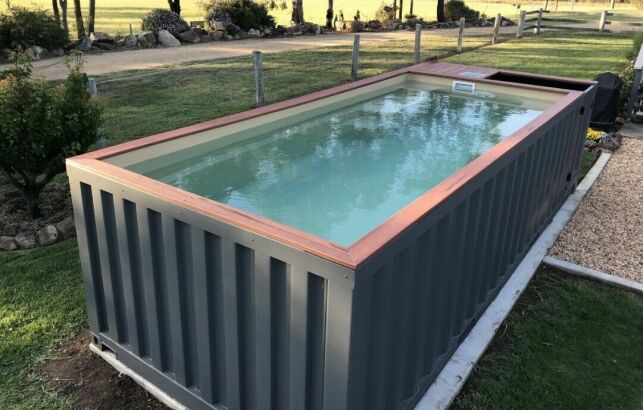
column 606, row 233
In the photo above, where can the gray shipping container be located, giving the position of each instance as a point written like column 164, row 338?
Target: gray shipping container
column 220, row 316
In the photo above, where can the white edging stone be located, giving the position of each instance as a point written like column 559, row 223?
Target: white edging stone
column 449, row 382
column 151, row 388
column 582, row 271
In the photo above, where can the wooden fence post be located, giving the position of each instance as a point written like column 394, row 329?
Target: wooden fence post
column 418, row 33
column 602, row 21
column 93, row 90
column 612, row 4
column 355, row 61
column 496, row 29
column 556, row 6
column 521, row 23
column 258, row 74
column 461, row 34
column 539, row 22
column 131, row 33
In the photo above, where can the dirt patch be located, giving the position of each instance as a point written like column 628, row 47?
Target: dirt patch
column 91, row 382
column 14, row 214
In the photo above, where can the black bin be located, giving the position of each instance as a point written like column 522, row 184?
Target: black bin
column 604, row 109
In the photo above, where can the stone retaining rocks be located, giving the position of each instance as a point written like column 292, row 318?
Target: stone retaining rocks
column 165, row 38
column 8, row 243
column 146, row 39
column 66, row 228
column 189, row 36
column 26, row 240
column 47, row 235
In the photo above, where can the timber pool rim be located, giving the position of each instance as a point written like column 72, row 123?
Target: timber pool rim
column 357, row 254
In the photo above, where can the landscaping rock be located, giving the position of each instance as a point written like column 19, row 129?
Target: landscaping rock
column 26, row 240
column 189, row 36
column 254, row 33
column 216, row 35
column 353, row 26
column 100, row 37
column 6, row 53
column 218, row 25
column 85, row 44
column 105, row 46
column 228, row 37
column 57, row 52
column 167, row 39
column 8, row 243
column 146, row 39
column 131, row 41
column 66, row 228
column 47, row 235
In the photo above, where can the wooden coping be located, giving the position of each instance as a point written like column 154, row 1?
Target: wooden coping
column 356, row 254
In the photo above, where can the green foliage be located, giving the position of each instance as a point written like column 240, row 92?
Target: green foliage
column 456, row 9
column 41, row 126
column 161, row 19
column 23, row 28
column 245, row 14
column 627, row 74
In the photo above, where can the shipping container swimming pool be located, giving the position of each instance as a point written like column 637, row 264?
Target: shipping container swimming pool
column 328, row 251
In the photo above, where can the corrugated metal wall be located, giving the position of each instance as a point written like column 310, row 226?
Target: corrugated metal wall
column 427, row 288
column 219, row 317
column 215, row 316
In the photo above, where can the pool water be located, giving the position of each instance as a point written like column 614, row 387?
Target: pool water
column 342, row 173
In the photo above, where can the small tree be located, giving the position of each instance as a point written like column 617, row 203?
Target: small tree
column 42, row 125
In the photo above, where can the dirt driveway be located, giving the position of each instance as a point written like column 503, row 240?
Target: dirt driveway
column 98, row 64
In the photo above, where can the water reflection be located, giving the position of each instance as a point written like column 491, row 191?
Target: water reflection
column 341, row 174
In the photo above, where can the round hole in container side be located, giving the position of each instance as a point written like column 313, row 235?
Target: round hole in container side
column 582, row 110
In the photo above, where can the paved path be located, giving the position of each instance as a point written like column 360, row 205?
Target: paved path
column 606, row 233
column 98, row 64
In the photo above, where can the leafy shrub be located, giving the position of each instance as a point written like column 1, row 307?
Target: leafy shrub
column 41, row 126
column 456, row 9
column 22, row 28
column 245, row 14
column 161, row 19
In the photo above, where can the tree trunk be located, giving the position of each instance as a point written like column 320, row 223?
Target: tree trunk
column 440, row 11
column 297, row 11
column 400, row 12
column 411, row 8
column 54, row 5
column 92, row 16
column 80, row 27
column 329, row 15
column 175, row 6
column 63, row 9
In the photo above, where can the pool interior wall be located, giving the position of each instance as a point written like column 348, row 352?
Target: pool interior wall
column 224, row 311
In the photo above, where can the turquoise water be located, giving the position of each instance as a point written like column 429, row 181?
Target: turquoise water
column 341, row 174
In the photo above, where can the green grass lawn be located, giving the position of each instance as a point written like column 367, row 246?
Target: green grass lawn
column 41, row 300
column 41, row 303
column 568, row 344
column 115, row 16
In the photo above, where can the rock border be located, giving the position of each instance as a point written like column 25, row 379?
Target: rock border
column 45, row 236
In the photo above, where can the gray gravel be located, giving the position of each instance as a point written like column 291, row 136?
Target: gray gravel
column 606, row 233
